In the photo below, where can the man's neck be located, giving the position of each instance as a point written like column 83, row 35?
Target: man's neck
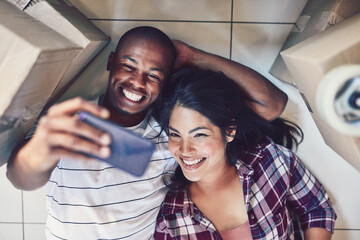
column 122, row 118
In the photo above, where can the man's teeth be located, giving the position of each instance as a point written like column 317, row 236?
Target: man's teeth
column 192, row 162
column 132, row 96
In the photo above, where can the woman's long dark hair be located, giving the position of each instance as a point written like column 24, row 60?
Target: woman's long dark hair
column 218, row 98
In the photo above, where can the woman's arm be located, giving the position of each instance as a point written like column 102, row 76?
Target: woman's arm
column 317, row 234
column 264, row 97
column 309, row 200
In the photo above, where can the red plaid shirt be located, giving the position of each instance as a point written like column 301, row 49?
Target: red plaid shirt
column 279, row 194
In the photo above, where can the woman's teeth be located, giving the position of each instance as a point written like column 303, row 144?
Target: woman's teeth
column 192, row 162
column 132, row 96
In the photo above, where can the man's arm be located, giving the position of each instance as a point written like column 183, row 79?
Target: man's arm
column 264, row 97
column 58, row 134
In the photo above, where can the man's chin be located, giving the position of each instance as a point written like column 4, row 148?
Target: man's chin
column 124, row 112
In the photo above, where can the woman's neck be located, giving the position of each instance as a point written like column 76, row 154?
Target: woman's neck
column 217, row 182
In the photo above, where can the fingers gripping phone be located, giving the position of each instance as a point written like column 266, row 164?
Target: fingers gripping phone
column 129, row 152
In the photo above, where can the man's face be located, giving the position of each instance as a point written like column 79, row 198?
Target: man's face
column 137, row 74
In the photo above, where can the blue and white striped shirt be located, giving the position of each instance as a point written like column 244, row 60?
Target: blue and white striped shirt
column 93, row 200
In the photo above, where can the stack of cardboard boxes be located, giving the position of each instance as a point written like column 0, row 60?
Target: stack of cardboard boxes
column 44, row 46
column 308, row 62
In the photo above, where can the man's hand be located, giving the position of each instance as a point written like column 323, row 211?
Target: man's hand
column 59, row 134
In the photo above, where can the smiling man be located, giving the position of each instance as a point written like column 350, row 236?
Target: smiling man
column 89, row 199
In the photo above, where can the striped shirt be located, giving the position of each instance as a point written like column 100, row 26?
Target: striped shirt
column 279, row 193
column 93, row 200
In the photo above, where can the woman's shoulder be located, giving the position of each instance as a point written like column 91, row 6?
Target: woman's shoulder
column 267, row 151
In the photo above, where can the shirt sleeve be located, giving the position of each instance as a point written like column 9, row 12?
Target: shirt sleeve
column 308, row 198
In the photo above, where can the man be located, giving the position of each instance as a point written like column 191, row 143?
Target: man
column 88, row 199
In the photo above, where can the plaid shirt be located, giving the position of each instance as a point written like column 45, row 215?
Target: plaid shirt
column 279, row 194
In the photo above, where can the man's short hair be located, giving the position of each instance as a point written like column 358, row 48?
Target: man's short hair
column 149, row 33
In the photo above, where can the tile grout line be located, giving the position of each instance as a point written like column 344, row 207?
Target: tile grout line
column 188, row 21
column 22, row 214
column 231, row 28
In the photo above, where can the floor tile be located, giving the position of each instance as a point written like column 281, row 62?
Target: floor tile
column 286, row 11
column 199, row 10
column 10, row 200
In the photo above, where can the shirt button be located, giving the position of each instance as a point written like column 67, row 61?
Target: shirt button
column 252, row 216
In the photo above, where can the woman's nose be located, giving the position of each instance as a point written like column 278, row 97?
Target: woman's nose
column 186, row 147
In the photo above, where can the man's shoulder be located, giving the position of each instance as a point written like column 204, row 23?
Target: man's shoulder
column 174, row 202
column 152, row 129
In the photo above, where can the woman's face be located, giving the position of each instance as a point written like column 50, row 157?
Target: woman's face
column 197, row 144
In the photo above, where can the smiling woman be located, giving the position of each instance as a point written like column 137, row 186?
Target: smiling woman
column 230, row 158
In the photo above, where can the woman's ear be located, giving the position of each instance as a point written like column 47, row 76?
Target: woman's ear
column 230, row 133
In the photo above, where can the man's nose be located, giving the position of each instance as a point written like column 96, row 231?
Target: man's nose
column 139, row 80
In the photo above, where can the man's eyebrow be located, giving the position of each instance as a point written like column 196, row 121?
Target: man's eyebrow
column 130, row 58
column 157, row 69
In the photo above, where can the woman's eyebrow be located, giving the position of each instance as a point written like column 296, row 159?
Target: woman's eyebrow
column 191, row 131
column 173, row 129
column 197, row 129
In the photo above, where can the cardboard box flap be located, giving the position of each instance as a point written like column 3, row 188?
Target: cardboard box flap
column 32, row 30
column 62, row 17
column 21, row 4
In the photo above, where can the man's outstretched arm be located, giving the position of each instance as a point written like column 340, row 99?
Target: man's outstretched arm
column 264, row 97
column 59, row 134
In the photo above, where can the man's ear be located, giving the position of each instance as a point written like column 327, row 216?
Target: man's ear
column 230, row 133
column 110, row 61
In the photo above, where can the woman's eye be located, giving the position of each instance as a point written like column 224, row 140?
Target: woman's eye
column 173, row 135
column 201, row 135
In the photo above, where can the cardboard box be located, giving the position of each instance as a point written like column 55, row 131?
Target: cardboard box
column 33, row 59
column 21, row 4
column 310, row 60
column 317, row 16
column 64, row 18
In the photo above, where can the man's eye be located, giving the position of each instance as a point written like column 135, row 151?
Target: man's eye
column 154, row 77
column 128, row 68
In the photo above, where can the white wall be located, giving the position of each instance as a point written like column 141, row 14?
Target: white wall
column 249, row 31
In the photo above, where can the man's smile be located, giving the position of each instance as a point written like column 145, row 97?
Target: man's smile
column 131, row 96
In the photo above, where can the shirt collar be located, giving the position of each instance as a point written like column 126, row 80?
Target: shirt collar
column 194, row 212
column 144, row 127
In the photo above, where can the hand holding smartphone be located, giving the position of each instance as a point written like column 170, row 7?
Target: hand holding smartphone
column 129, row 152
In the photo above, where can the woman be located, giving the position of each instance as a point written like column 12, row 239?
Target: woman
column 233, row 181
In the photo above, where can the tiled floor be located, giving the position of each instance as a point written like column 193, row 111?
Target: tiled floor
column 249, row 31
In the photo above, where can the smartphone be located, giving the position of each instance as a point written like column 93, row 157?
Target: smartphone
column 129, row 152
